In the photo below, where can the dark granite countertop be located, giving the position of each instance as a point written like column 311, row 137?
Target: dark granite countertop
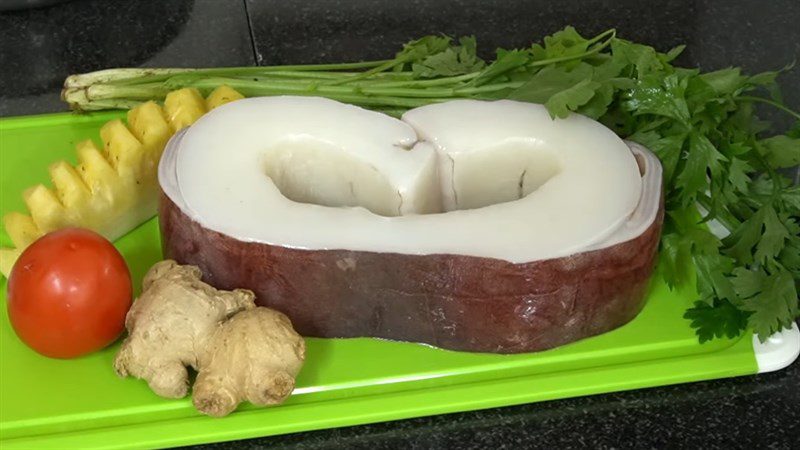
column 39, row 47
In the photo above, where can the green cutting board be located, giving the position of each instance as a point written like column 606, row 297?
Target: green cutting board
column 50, row 403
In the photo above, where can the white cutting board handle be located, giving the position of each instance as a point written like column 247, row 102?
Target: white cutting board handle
column 779, row 351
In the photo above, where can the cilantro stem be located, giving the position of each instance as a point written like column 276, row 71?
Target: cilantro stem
column 358, row 95
column 723, row 216
column 597, row 49
column 610, row 31
column 332, row 66
column 390, row 64
column 326, row 75
column 432, row 82
column 264, row 87
column 271, row 87
column 769, row 102
column 488, row 88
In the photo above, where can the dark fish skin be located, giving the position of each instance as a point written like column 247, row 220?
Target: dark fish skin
column 454, row 302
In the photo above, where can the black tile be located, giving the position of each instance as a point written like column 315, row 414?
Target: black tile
column 40, row 47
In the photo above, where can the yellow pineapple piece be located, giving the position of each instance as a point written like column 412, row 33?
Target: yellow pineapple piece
column 184, row 107
column 99, row 176
column 68, row 184
column 222, row 95
column 114, row 191
column 148, row 124
column 47, row 212
column 125, row 152
column 8, row 256
column 109, row 192
column 21, row 229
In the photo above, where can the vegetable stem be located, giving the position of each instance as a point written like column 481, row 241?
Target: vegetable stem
column 724, row 217
column 137, row 75
column 381, row 68
column 767, row 101
column 545, row 62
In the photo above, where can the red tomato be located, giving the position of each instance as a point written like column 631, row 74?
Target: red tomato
column 68, row 293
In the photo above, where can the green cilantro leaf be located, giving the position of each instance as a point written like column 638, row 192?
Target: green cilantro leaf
column 712, row 280
column 767, row 80
column 675, row 259
column 699, row 96
column 702, row 160
column 773, row 237
column 643, row 58
column 744, row 238
column 561, row 103
column 566, row 42
column 748, row 282
column 419, row 49
column 791, row 196
column 454, row 60
column 550, row 81
column 672, row 54
column 560, row 90
column 506, row 61
column 780, row 151
column 607, row 75
column 738, row 174
column 790, row 256
column 770, row 298
column 661, row 96
column 721, row 319
column 725, row 81
column 598, row 103
column 667, row 148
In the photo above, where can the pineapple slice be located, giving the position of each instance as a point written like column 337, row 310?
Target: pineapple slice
column 148, row 123
column 46, row 211
column 113, row 198
column 21, row 228
column 70, row 187
column 184, row 107
column 8, row 256
column 125, row 152
column 102, row 181
column 220, row 96
column 112, row 190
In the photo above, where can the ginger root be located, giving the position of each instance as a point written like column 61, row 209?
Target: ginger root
column 241, row 351
column 241, row 342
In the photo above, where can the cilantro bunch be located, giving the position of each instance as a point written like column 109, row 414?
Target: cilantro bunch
column 731, row 224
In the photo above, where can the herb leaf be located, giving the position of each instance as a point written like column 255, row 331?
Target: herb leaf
column 781, row 151
column 702, row 159
column 721, row 319
column 771, row 298
column 454, row 60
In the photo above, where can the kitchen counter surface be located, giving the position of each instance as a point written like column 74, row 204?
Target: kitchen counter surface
column 40, row 47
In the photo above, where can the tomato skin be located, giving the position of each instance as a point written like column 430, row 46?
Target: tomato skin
column 68, row 293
